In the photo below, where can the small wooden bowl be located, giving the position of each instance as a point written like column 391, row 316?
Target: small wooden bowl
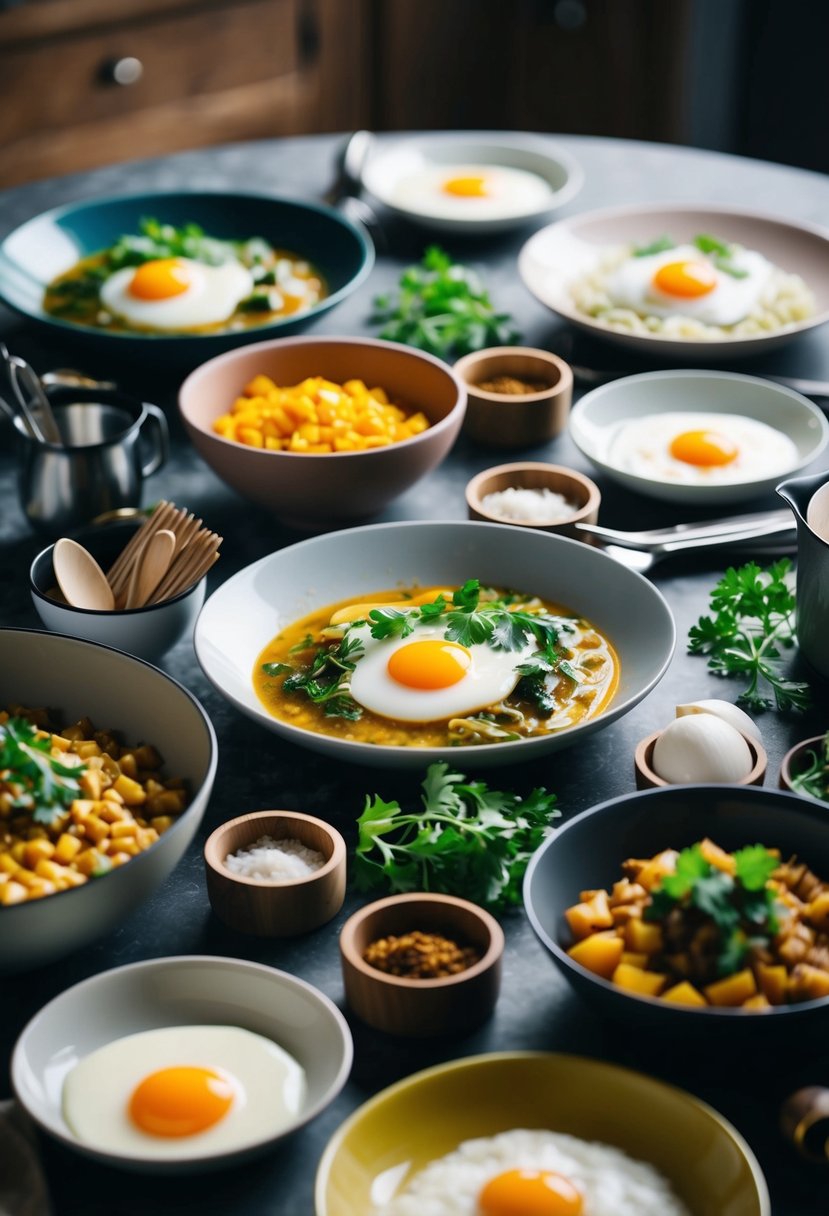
column 647, row 779
column 527, row 475
column 804, row 1119
column 796, row 760
column 275, row 909
column 506, row 420
column 422, row 1008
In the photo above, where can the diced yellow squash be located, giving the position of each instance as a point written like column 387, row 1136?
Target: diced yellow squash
column 818, row 911
column 734, row 990
column 592, row 914
column 643, row 937
column 717, row 857
column 684, row 994
column 654, row 871
column 634, row 979
column 12, row 893
column 599, row 953
column 774, row 982
column 808, row 983
column 132, row 793
column 36, row 850
column 758, row 1001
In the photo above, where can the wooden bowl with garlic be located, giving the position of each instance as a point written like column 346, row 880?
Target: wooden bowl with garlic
column 711, row 741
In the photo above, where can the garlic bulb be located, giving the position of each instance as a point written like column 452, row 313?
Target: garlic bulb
column 701, row 747
column 732, row 714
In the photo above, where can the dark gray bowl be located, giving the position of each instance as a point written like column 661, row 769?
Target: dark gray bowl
column 588, row 851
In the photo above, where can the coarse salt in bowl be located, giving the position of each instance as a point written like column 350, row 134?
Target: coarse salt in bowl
column 275, row 873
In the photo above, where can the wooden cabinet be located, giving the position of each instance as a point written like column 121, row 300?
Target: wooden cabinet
column 88, row 82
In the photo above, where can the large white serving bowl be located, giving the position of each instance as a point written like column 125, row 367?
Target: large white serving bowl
column 189, row 990
column 390, row 161
column 117, row 692
column 598, row 417
column 563, row 252
column 252, row 607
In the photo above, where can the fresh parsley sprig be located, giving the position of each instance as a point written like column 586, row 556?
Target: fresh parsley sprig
column 47, row 785
column 443, row 308
column 814, row 780
column 323, row 681
column 466, row 839
column 743, row 907
column 751, row 623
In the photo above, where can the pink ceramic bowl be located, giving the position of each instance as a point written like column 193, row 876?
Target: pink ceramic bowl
column 332, row 487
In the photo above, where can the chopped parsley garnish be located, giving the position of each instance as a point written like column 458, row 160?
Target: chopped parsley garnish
column 465, row 839
column 47, row 786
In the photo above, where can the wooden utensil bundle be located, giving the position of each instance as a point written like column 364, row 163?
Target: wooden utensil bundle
column 176, row 567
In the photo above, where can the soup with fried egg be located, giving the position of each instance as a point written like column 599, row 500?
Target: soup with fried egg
column 440, row 667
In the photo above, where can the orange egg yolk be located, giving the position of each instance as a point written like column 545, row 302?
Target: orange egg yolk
column 706, row 449
column 160, row 280
column 180, row 1101
column 530, row 1193
column 685, row 279
column 467, row 187
column 429, row 664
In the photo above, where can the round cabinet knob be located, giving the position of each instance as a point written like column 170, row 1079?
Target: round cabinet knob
column 125, row 71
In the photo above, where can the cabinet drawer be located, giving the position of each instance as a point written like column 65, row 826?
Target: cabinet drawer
column 65, row 80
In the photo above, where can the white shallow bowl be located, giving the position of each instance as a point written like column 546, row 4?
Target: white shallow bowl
column 184, row 991
column 118, row 692
column 598, row 417
column 391, row 161
column 249, row 609
column 565, row 251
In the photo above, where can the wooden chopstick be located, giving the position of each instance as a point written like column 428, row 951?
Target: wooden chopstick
column 188, row 566
column 118, row 575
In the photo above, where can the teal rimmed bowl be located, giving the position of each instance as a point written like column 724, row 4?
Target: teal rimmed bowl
column 36, row 252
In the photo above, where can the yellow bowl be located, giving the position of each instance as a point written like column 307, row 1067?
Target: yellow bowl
column 400, row 1130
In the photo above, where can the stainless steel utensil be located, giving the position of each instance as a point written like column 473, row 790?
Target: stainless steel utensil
column 594, row 376
column 761, row 545
column 763, row 523
column 29, row 391
column 344, row 192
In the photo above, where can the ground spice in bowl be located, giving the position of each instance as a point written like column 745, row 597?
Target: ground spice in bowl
column 512, row 386
column 420, row 956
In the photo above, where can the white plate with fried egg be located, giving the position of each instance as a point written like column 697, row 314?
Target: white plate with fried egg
column 698, row 437
column 693, row 283
column 181, row 1065
column 471, row 183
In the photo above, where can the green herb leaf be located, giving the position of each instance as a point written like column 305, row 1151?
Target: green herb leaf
column 466, row 839
column 755, row 866
column 658, row 246
column 752, row 622
column 48, row 784
column 276, row 669
column 391, row 623
column 442, row 308
column 712, row 244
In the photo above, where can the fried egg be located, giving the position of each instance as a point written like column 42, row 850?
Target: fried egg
column 425, row 678
column 700, row 449
column 535, row 1173
column 684, row 281
column 183, row 1091
column 485, row 192
column 176, row 293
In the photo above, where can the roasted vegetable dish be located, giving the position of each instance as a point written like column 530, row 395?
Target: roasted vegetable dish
column 704, row 927
column 74, row 803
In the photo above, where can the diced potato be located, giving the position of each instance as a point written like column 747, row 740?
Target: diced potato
column 634, row 979
column 758, row 1001
column 734, row 990
column 818, row 911
column 684, row 994
column 652, row 873
column 773, row 982
column 808, row 983
column 717, row 857
column 594, row 913
column 643, row 938
column 599, row 953
column 36, row 850
column 633, row 959
column 132, row 793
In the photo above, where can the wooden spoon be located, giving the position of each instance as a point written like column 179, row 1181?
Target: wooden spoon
column 80, row 578
column 150, row 568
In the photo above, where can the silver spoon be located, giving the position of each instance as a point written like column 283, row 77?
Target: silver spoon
column 80, row 578
column 27, row 387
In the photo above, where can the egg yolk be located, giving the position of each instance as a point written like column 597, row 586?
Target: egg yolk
column 161, row 279
column 429, row 664
column 467, row 187
column 685, row 279
column 530, row 1193
column 180, row 1101
column 706, row 449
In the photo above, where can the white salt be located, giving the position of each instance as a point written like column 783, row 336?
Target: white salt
column 529, row 506
column 270, row 860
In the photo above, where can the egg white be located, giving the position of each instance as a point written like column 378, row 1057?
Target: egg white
column 642, row 446
column 210, row 298
column 509, row 192
column 269, row 1090
column 630, row 285
column 490, row 677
